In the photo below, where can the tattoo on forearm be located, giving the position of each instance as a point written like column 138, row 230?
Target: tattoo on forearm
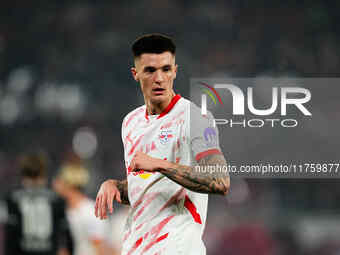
column 198, row 182
column 123, row 189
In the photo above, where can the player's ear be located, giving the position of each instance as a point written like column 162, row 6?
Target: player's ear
column 134, row 73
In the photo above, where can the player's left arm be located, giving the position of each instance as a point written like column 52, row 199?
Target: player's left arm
column 187, row 176
column 196, row 181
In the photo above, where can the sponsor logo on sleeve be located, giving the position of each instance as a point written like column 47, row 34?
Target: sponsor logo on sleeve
column 210, row 137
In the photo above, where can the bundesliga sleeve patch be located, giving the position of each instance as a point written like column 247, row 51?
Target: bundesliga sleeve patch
column 203, row 135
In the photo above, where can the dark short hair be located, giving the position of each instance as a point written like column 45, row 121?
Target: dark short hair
column 33, row 165
column 153, row 43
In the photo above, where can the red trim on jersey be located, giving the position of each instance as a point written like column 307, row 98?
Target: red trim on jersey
column 135, row 246
column 173, row 101
column 192, row 209
column 206, row 153
column 146, row 114
column 153, row 242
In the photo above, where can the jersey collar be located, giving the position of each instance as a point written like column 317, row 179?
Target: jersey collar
column 174, row 100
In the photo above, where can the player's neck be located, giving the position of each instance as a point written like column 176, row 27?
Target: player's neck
column 157, row 108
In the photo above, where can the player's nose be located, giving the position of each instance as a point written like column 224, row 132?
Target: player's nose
column 159, row 76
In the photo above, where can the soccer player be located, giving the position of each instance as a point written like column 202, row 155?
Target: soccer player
column 36, row 221
column 168, row 198
column 91, row 236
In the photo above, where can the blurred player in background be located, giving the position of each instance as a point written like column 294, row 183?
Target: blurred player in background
column 91, row 236
column 168, row 197
column 118, row 221
column 36, row 221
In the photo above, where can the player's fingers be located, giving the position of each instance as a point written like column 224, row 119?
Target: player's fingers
column 99, row 207
column 118, row 197
column 103, row 207
column 132, row 165
column 96, row 207
column 110, row 202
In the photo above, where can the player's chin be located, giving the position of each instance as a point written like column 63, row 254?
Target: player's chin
column 158, row 98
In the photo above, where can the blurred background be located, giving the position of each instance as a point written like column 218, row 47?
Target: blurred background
column 65, row 86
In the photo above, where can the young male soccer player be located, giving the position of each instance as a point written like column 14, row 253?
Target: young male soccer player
column 168, row 198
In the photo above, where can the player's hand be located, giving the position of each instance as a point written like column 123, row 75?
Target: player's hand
column 108, row 192
column 142, row 161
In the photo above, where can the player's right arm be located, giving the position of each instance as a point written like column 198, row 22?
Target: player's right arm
column 109, row 191
column 113, row 189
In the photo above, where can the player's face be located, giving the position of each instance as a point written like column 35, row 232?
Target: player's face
column 156, row 74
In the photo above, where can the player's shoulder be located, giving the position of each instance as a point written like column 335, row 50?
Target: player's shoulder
column 135, row 111
column 182, row 104
column 195, row 111
column 139, row 111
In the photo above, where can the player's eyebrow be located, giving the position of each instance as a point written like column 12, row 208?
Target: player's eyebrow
column 151, row 69
column 167, row 67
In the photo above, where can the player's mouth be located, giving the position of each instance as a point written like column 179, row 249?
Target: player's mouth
column 158, row 91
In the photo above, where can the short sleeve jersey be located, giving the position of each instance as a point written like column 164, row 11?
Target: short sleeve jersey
column 166, row 218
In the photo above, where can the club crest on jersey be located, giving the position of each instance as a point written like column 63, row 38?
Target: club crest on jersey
column 165, row 136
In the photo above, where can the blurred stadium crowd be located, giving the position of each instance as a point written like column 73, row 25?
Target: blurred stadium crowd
column 65, row 85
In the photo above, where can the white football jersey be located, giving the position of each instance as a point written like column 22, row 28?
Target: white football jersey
column 166, row 218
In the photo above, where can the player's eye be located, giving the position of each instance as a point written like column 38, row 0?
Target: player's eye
column 166, row 68
column 149, row 69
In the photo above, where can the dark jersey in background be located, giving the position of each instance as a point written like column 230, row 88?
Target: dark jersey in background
column 36, row 223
